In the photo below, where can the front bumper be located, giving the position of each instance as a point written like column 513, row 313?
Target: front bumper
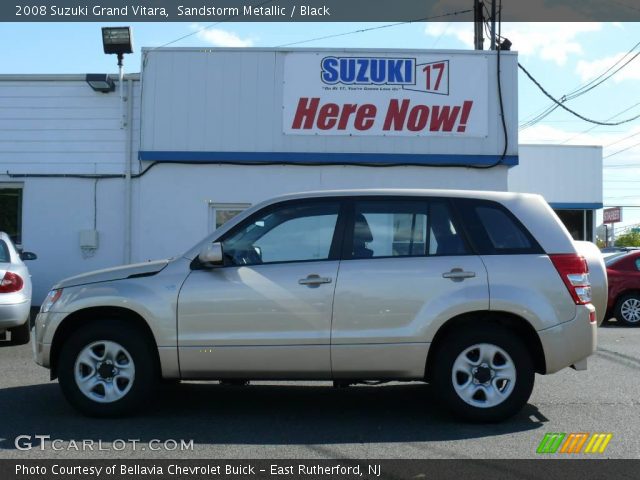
column 14, row 314
column 42, row 336
column 570, row 343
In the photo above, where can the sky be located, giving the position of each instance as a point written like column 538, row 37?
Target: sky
column 562, row 56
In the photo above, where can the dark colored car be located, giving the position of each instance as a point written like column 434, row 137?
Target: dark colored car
column 623, row 271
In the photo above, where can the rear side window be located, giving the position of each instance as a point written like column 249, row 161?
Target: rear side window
column 494, row 230
column 502, row 230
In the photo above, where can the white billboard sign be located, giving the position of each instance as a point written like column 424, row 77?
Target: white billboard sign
column 385, row 95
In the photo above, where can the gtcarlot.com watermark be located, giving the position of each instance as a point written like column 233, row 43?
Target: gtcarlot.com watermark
column 45, row 442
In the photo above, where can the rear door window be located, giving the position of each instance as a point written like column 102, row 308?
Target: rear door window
column 403, row 228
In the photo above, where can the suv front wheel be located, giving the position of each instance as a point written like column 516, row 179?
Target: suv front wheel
column 483, row 374
column 107, row 368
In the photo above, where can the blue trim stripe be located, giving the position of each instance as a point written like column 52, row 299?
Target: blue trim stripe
column 312, row 158
column 576, row 206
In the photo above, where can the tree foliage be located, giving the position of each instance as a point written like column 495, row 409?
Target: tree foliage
column 630, row 239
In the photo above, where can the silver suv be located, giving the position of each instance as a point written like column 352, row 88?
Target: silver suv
column 473, row 292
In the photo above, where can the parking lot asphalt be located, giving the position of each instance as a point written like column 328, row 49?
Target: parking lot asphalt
column 315, row 420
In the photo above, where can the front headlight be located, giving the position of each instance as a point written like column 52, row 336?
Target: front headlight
column 52, row 298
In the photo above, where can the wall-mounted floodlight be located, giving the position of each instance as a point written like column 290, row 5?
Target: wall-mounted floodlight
column 506, row 45
column 100, row 82
column 117, row 40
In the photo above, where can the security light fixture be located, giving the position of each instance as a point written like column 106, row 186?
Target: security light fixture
column 505, row 45
column 100, row 82
column 117, row 40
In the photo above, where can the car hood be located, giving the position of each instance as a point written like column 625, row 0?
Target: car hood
column 115, row 273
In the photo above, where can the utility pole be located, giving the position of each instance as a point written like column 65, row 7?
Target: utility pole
column 493, row 24
column 478, row 25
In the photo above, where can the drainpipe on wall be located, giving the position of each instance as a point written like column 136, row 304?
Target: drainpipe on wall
column 128, row 204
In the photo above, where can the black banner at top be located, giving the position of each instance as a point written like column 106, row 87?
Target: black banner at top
column 312, row 10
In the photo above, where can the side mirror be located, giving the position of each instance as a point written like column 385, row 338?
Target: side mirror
column 211, row 254
column 28, row 256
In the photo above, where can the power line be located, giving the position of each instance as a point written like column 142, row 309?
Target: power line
column 623, row 150
column 226, row 19
column 593, row 83
column 596, row 126
column 584, row 88
column 573, row 112
column 622, row 139
column 379, row 27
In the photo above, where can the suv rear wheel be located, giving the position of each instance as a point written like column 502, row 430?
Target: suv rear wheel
column 483, row 374
column 107, row 368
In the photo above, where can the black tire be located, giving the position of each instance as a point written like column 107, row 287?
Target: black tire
column 139, row 347
column 454, row 345
column 622, row 314
column 20, row 335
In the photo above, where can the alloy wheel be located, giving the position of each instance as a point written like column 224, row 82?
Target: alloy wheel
column 483, row 375
column 104, row 371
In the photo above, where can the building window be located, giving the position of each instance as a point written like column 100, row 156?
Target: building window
column 11, row 209
column 220, row 213
column 578, row 222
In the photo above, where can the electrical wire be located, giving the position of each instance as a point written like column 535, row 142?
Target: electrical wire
column 379, row 27
column 591, row 85
column 573, row 112
column 596, row 126
column 226, row 19
column 622, row 139
column 623, row 150
column 587, row 87
column 504, row 123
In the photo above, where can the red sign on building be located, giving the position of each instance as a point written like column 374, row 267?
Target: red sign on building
column 612, row 215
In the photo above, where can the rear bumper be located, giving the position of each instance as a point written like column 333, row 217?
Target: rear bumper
column 14, row 314
column 570, row 343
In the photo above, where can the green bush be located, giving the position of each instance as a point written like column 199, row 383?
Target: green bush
column 631, row 239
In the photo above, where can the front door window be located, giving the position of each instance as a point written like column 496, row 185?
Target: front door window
column 290, row 233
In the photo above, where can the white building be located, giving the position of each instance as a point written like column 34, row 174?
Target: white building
column 88, row 180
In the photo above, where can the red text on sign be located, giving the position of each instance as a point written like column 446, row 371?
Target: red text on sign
column 400, row 115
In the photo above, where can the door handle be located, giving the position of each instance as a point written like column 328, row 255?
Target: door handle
column 314, row 280
column 458, row 274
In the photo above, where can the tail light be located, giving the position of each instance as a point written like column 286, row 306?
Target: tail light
column 574, row 272
column 11, row 282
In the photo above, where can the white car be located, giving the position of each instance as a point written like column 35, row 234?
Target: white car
column 15, row 292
